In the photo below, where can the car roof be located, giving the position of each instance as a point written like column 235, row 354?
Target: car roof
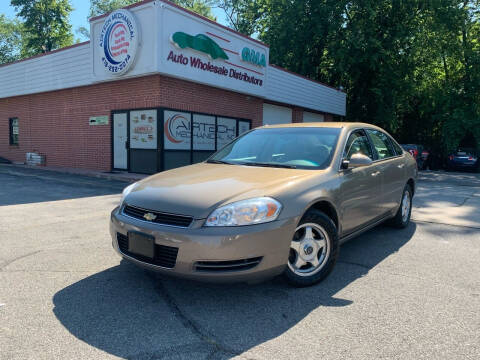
column 347, row 125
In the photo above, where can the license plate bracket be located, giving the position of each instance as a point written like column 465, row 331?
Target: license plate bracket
column 141, row 244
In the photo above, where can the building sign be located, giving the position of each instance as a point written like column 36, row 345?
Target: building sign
column 143, row 129
column 201, row 43
column 177, row 130
column 226, row 131
column 203, row 132
column 254, row 57
column 119, row 38
column 196, row 50
column 98, row 120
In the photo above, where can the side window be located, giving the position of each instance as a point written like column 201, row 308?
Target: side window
column 14, row 130
column 381, row 143
column 397, row 147
column 357, row 143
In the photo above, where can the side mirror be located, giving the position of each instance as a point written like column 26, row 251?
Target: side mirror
column 359, row 160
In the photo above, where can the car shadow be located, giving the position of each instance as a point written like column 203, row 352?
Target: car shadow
column 134, row 314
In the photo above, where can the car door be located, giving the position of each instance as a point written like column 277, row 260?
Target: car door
column 360, row 187
column 392, row 168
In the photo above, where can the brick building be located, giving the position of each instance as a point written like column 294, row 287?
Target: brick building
column 157, row 87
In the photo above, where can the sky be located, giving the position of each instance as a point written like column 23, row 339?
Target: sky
column 78, row 17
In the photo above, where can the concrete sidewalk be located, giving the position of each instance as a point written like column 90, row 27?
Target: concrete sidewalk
column 447, row 198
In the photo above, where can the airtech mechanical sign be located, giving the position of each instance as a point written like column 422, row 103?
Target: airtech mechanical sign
column 118, row 41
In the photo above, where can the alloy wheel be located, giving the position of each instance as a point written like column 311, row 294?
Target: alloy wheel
column 309, row 249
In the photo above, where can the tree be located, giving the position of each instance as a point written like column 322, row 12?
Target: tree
column 242, row 15
column 46, row 24
column 99, row 7
column 410, row 66
column 10, row 39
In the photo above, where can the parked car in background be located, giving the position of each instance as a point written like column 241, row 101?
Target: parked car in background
column 463, row 159
column 419, row 153
column 277, row 200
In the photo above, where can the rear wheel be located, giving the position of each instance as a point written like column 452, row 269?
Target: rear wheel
column 313, row 250
column 402, row 217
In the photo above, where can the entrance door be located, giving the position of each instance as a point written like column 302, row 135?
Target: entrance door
column 120, row 154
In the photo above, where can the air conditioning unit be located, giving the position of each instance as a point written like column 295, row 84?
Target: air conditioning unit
column 35, row 159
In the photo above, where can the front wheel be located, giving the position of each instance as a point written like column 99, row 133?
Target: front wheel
column 313, row 250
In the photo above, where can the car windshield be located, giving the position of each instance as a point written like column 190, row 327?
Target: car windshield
column 303, row 148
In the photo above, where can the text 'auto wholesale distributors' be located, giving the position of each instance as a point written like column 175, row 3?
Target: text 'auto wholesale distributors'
column 196, row 62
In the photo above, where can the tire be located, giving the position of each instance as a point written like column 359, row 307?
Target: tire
column 323, row 239
column 400, row 221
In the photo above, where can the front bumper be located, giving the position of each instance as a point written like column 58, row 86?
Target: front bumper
column 270, row 241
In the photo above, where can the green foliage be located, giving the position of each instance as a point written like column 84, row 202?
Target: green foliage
column 99, row 7
column 242, row 15
column 410, row 66
column 46, row 24
column 10, row 39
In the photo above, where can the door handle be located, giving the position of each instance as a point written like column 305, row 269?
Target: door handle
column 401, row 166
column 375, row 173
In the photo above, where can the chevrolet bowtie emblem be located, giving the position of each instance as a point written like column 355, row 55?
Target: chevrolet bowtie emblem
column 149, row 216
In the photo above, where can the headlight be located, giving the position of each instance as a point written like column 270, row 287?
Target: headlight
column 245, row 212
column 127, row 191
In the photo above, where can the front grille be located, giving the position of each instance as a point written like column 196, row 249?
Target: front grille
column 224, row 266
column 165, row 256
column 160, row 218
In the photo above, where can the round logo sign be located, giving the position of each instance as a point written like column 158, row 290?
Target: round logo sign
column 176, row 128
column 119, row 41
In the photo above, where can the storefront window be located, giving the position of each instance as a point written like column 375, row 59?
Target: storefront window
column 143, row 129
column 177, row 130
column 226, row 131
column 188, row 138
column 243, row 126
column 14, row 130
column 203, row 132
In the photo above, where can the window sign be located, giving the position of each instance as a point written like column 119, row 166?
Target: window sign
column 243, row 126
column 177, row 130
column 203, row 132
column 226, row 131
column 143, row 129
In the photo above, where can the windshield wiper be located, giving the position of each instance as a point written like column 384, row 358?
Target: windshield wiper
column 269, row 165
column 214, row 161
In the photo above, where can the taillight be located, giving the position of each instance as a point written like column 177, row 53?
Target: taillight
column 451, row 157
column 470, row 158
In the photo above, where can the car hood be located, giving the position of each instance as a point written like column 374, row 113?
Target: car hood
column 196, row 190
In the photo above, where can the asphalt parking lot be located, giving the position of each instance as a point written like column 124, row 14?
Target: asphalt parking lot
column 394, row 294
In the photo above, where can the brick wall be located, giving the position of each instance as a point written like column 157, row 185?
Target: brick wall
column 56, row 123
